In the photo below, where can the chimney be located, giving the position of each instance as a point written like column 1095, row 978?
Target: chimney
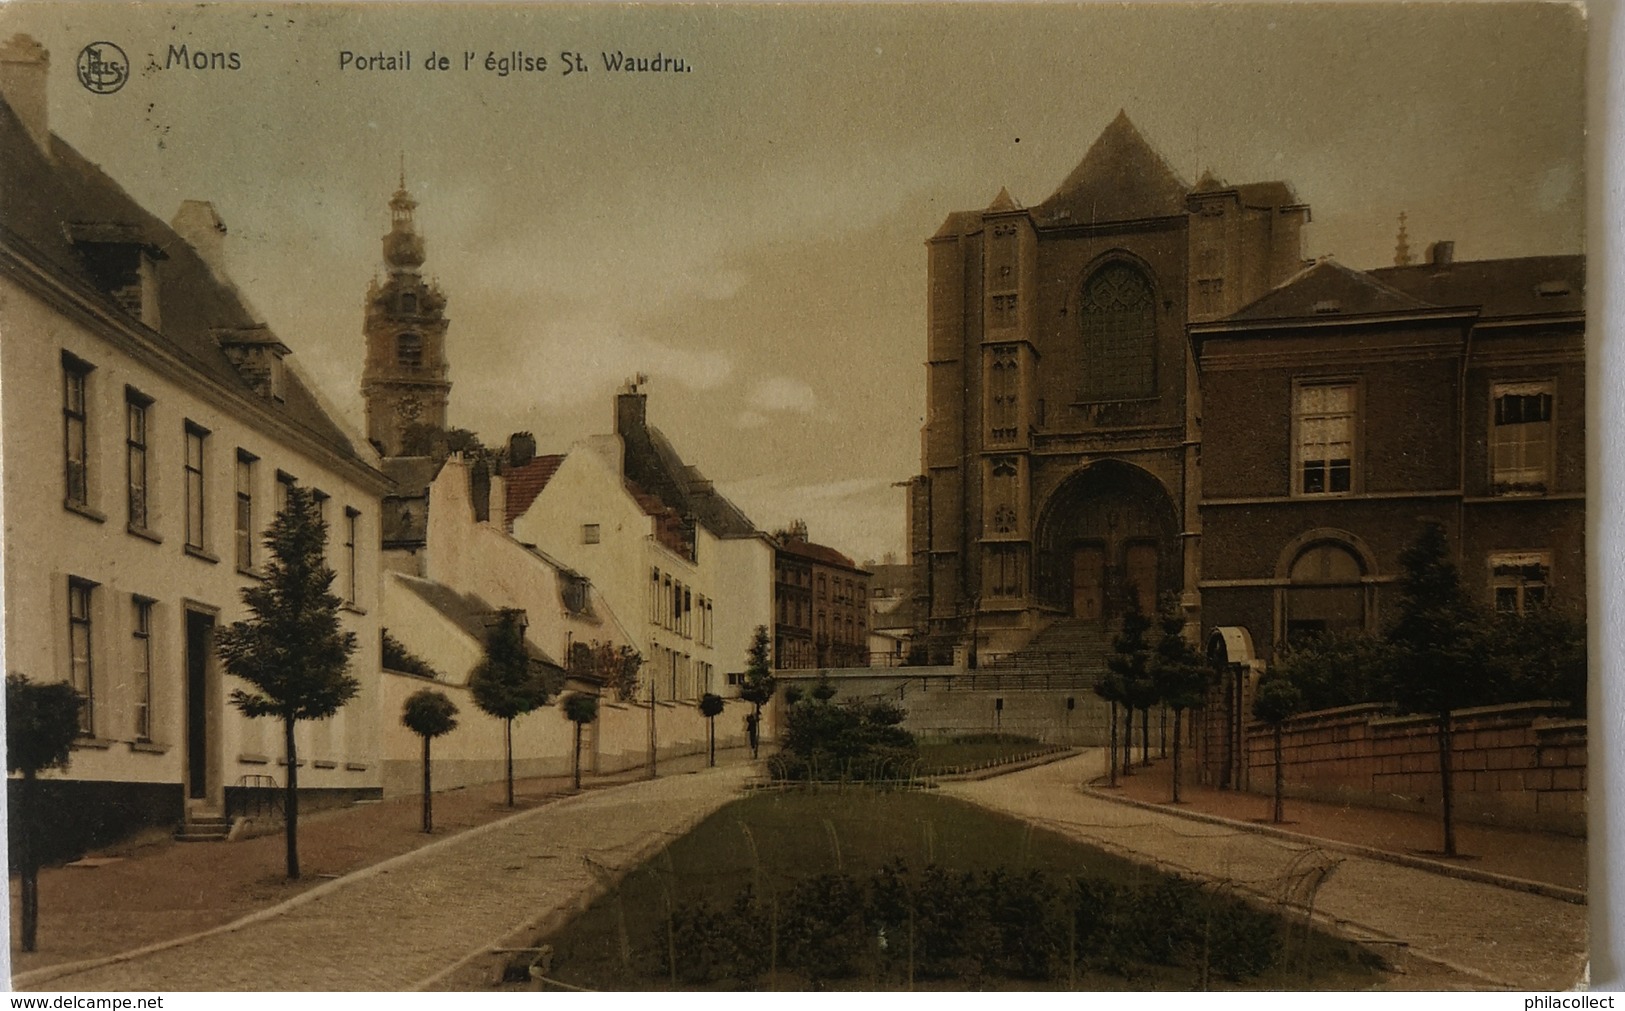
column 631, row 413
column 24, row 69
column 1442, row 253
column 197, row 223
column 521, row 449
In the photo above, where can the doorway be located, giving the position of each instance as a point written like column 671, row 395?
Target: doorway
column 1089, row 581
column 199, row 644
column 1140, row 568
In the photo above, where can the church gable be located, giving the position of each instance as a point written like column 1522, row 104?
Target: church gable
column 1121, row 178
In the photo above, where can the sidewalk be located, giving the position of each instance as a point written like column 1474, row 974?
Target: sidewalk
column 1533, row 856
column 156, row 889
column 1442, row 931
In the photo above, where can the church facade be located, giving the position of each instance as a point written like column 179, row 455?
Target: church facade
column 1059, row 461
column 1140, row 388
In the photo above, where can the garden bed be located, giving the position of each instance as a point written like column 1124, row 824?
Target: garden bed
column 816, row 889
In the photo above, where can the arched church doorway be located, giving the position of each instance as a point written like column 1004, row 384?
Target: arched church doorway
column 1108, row 540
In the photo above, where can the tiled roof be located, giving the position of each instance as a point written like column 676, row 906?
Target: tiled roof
column 1121, row 178
column 467, row 611
column 44, row 201
column 1522, row 286
column 820, row 553
column 524, row 483
column 1330, row 289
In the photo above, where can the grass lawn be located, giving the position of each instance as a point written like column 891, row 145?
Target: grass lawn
column 940, row 754
column 814, row 847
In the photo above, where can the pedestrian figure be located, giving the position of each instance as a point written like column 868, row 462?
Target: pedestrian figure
column 751, row 721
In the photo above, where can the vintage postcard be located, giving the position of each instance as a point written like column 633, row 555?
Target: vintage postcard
column 754, row 497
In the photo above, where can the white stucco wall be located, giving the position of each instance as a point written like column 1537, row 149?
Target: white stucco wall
column 46, row 543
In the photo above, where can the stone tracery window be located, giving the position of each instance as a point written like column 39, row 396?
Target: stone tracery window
column 1119, row 335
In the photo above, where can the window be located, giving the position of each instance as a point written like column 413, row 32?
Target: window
column 80, row 669
column 135, row 439
column 654, row 595
column 1323, row 418
column 141, row 653
column 75, row 440
column 1521, row 438
column 244, row 533
column 320, row 499
column 822, row 592
column 1119, row 335
column 409, row 350
column 1326, row 594
column 195, row 438
column 589, row 533
column 1518, row 581
column 1006, row 576
column 284, row 482
column 352, row 521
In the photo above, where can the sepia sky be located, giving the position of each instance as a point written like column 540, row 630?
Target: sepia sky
column 750, row 234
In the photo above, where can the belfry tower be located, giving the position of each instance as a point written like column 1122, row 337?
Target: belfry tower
column 404, row 382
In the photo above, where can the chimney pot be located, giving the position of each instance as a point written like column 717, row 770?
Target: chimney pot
column 1442, row 253
column 24, row 70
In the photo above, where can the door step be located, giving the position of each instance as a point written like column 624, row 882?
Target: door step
column 204, row 828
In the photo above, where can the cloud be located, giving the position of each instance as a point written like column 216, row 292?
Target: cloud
column 783, row 393
column 863, row 517
column 750, row 419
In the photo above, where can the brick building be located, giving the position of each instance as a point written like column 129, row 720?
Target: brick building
column 1140, row 388
column 1347, row 407
column 821, row 605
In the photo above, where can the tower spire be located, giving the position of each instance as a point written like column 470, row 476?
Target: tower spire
column 1402, row 249
column 403, row 170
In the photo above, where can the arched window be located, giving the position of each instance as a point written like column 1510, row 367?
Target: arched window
column 409, row 350
column 1326, row 594
column 1119, row 335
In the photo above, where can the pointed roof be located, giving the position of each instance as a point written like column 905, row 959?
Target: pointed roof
column 1121, row 178
column 1330, row 289
column 526, row 482
column 1004, row 202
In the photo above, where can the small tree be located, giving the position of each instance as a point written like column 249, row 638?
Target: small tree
column 1131, row 662
column 581, row 709
column 757, row 685
column 429, row 714
column 711, row 708
column 504, row 685
column 615, row 667
column 1276, row 700
column 41, row 722
column 292, row 650
column 1437, row 637
column 1180, row 674
column 1110, row 688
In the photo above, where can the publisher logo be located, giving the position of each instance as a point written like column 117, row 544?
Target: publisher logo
column 103, row 68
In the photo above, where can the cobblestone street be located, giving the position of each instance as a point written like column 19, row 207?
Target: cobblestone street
column 406, row 923
column 1495, row 936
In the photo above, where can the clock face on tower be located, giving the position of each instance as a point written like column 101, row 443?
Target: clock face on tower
column 409, row 409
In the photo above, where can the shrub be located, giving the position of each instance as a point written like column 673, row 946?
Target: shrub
column 851, row 740
column 824, row 927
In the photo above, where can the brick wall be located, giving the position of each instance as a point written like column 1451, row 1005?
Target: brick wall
column 1521, row 765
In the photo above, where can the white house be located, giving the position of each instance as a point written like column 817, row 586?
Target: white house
column 151, row 424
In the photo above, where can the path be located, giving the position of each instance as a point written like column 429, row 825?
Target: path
column 408, row 922
column 1497, row 936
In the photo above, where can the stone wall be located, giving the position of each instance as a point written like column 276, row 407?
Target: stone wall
column 1521, row 765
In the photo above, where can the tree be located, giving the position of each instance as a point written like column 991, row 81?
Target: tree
column 429, row 714
column 504, row 685
column 292, row 650
column 711, row 708
column 580, row 708
column 614, row 667
column 41, row 722
column 1110, row 688
column 1437, row 638
column 1181, row 675
column 757, row 685
column 1131, row 662
column 1276, row 700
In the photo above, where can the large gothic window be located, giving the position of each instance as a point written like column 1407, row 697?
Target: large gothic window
column 1119, row 335
column 409, row 350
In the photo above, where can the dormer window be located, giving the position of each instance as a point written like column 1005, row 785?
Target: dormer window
column 1326, row 307
column 121, row 266
column 1552, row 289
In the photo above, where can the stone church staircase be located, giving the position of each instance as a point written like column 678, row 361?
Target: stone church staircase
column 1070, row 646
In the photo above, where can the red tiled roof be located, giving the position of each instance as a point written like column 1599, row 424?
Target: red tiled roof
column 818, row 553
column 525, row 483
